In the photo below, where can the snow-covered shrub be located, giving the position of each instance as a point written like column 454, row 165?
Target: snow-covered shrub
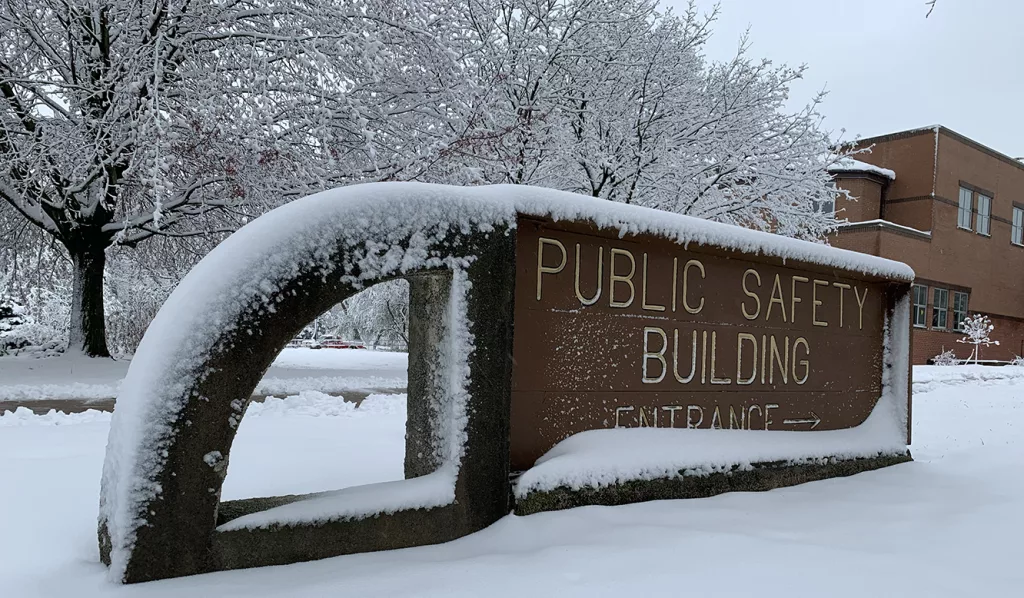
column 1017, row 361
column 947, row 357
column 21, row 334
column 976, row 330
column 51, row 307
column 31, row 339
column 133, row 292
column 12, row 318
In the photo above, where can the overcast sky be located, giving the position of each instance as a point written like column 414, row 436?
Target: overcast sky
column 887, row 67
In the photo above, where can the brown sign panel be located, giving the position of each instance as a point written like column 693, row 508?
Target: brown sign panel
column 640, row 331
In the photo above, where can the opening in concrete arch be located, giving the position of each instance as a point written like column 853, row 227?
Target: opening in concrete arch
column 206, row 352
column 331, row 413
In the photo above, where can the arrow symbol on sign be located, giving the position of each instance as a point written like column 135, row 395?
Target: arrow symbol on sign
column 814, row 420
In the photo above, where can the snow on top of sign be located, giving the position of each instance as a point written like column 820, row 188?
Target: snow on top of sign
column 852, row 165
column 686, row 230
column 368, row 224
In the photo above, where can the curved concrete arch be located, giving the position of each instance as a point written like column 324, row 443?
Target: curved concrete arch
column 167, row 457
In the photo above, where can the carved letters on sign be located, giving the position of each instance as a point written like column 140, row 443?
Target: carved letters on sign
column 633, row 332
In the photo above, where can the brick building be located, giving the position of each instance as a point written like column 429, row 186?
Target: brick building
column 953, row 210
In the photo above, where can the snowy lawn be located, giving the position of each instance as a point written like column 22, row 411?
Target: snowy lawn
column 946, row 525
column 294, row 370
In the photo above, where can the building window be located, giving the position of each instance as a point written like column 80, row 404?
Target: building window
column 963, row 217
column 920, row 305
column 982, row 222
column 959, row 309
column 940, row 308
column 824, row 206
column 1017, row 228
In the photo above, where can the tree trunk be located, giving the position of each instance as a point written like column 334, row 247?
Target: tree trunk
column 88, row 327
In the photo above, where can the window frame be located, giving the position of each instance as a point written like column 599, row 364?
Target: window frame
column 959, row 315
column 983, row 218
column 964, row 210
column 1017, row 227
column 936, row 291
column 915, row 306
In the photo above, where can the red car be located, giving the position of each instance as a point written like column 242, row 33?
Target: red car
column 337, row 343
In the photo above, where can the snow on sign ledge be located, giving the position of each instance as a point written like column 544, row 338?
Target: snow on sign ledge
column 425, row 492
column 601, row 458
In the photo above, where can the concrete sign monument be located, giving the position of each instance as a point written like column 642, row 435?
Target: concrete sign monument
column 534, row 315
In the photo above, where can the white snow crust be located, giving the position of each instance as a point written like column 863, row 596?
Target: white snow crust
column 76, row 377
column 368, row 221
column 599, row 458
column 453, row 370
column 309, row 403
column 946, row 525
column 287, row 386
column 852, row 165
column 23, row 416
column 931, row 377
column 318, row 404
column 267, row 386
column 886, row 223
column 436, row 489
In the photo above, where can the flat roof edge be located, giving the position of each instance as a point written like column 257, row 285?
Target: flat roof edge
column 886, row 226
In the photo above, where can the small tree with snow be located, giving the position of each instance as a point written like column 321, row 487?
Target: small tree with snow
column 947, row 357
column 976, row 330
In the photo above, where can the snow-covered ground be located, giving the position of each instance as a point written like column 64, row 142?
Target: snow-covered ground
column 947, row 524
column 294, row 370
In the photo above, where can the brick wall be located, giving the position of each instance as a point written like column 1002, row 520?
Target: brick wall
column 930, row 166
column 868, row 193
column 863, row 241
column 1009, row 332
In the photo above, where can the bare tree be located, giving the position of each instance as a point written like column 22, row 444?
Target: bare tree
column 122, row 120
column 380, row 314
column 157, row 126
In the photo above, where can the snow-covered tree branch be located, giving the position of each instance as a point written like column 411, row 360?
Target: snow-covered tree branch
column 122, row 120
column 614, row 99
column 156, row 123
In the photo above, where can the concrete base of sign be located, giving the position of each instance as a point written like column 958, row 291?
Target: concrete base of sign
column 285, row 544
column 763, row 476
